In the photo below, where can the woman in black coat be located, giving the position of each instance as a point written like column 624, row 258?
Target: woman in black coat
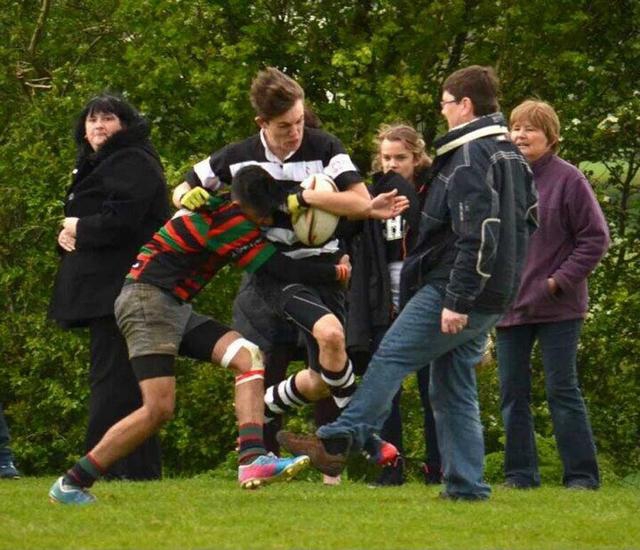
column 117, row 199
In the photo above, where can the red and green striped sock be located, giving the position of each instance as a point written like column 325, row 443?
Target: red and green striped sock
column 251, row 442
column 85, row 472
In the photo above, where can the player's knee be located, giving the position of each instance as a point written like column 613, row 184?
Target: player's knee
column 241, row 362
column 245, row 359
column 329, row 334
column 242, row 356
column 160, row 412
column 166, row 412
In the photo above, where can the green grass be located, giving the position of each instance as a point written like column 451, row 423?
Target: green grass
column 207, row 512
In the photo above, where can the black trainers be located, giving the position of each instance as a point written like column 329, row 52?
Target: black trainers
column 391, row 475
column 444, row 495
column 582, row 485
column 511, row 483
column 431, row 476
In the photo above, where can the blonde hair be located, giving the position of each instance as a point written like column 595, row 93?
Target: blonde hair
column 540, row 115
column 408, row 136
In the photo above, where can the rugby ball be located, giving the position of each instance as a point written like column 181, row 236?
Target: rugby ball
column 315, row 226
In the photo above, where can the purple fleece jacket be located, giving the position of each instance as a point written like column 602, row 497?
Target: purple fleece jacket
column 570, row 241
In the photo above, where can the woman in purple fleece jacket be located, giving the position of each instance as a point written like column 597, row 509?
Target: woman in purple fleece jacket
column 550, row 308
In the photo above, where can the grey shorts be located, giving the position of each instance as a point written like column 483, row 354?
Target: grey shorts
column 152, row 320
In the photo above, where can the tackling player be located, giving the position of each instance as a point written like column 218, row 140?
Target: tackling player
column 156, row 319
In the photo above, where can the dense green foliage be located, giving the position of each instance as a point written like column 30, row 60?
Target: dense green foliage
column 188, row 65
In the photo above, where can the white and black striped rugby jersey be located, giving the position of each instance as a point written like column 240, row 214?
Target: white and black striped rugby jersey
column 319, row 152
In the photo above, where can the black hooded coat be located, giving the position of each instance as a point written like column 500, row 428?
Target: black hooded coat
column 120, row 195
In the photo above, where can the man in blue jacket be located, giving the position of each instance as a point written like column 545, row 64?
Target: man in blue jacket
column 458, row 279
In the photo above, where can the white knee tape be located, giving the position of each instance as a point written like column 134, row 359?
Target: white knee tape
column 234, row 348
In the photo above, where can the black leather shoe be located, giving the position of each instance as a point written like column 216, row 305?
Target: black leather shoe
column 391, row 475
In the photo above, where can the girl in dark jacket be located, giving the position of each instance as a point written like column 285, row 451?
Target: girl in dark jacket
column 400, row 162
column 116, row 201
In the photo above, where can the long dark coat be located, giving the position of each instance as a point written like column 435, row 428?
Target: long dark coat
column 120, row 195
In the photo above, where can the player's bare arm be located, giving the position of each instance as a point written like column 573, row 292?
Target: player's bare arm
column 356, row 203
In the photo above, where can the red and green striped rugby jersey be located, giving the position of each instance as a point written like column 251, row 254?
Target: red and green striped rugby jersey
column 189, row 250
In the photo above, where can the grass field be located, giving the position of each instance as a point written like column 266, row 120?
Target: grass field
column 207, row 512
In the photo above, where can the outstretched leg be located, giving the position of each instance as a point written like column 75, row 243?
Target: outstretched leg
column 158, row 400
column 256, row 468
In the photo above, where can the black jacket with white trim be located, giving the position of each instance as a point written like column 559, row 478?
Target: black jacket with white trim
column 476, row 220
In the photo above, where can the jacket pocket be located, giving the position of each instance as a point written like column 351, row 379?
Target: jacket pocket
column 535, row 298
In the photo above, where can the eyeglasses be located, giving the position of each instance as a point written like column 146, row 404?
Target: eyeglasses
column 443, row 103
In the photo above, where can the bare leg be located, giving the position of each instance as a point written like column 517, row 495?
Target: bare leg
column 336, row 377
column 336, row 370
column 329, row 334
column 311, row 385
column 158, row 400
column 249, row 395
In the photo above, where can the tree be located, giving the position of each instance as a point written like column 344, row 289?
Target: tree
column 188, row 66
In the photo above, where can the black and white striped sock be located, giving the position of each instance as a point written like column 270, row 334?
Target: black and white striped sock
column 342, row 384
column 281, row 398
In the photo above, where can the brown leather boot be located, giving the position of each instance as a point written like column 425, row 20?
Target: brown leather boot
column 310, row 445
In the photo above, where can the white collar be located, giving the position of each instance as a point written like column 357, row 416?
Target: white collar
column 269, row 154
column 494, row 129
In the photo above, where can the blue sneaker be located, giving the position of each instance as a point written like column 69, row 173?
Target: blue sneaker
column 9, row 471
column 67, row 493
column 269, row 468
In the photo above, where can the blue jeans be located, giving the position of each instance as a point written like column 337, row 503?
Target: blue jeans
column 392, row 428
column 558, row 343
column 415, row 340
column 5, row 451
